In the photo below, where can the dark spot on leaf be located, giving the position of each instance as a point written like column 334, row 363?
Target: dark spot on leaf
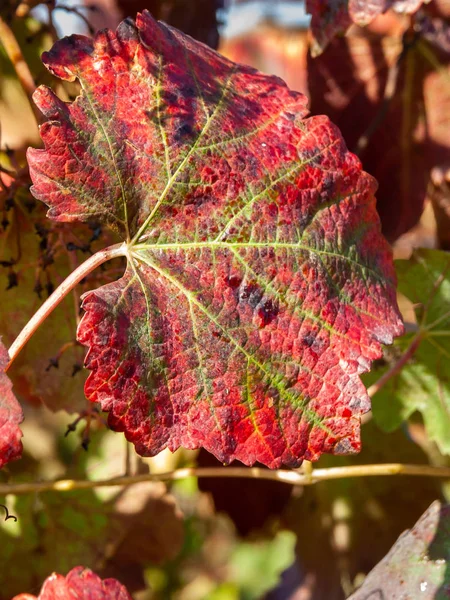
column 266, row 312
column 185, row 130
column 234, row 281
column 252, row 294
column 189, row 91
column 308, row 340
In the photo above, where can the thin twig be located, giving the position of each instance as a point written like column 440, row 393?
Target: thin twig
column 12, row 49
column 74, row 10
column 397, row 367
column 128, row 467
column 296, row 478
column 60, row 293
column 73, row 265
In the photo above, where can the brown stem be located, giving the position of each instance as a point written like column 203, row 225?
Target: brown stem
column 397, row 367
column 296, row 478
column 12, row 49
column 60, row 293
column 75, row 11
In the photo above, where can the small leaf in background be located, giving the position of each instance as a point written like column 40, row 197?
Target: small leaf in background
column 331, row 18
column 18, row 124
column 423, row 384
column 152, row 533
column 417, row 566
column 79, row 583
column 54, row 532
column 258, row 285
column 10, row 415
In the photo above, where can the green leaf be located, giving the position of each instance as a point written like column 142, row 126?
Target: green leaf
column 423, row 384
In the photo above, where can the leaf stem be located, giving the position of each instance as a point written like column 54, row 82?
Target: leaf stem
column 293, row 477
column 14, row 53
column 397, row 367
column 60, row 293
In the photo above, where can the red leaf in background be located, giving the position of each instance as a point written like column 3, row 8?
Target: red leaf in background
column 331, row 18
column 258, row 286
column 408, row 133
column 363, row 12
column 327, row 20
column 10, row 416
column 80, row 583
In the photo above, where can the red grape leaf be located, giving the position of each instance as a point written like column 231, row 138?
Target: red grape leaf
column 79, row 583
column 347, row 82
column 258, row 285
column 331, row 18
column 10, row 416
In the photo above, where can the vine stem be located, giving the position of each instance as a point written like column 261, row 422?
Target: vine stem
column 397, row 367
column 12, row 49
column 293, row 477
column 60, row 293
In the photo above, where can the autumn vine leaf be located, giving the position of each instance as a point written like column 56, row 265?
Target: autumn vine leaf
column 258, row 285
column 10, row 416
column 79, row 583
